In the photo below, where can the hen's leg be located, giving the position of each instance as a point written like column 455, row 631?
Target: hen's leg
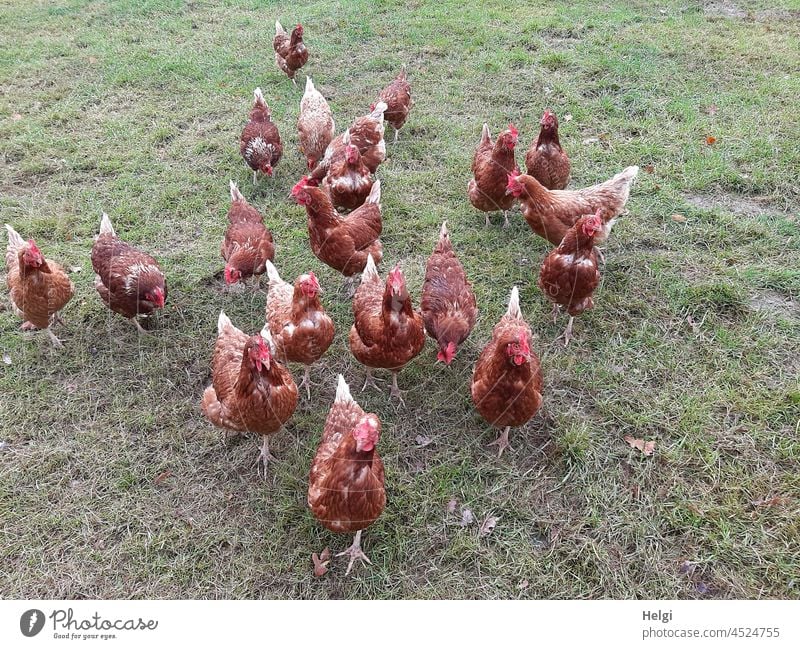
column 141, row 329
column 255, row 177
column 556, row 311
column 307, row 381
column 502, row 442
column 354, row 552
column 370, row 381
column 567, row 335
column 28, row 326
column 395, row 136
column 294, row 82
column 264, row 456
column 486, row 216
column 505, row 216
column 395, row 389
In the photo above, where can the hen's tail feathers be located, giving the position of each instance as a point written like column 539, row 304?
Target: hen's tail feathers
column 106, row 227
column 258, row 96
column 236, row 195
column 403, row 75
column 222, row 322
column 375, row 193
column 346, row 137
column 443, row 233
column 485, row 136
column 627, row 175
column 343, row 391
column 380, row 108
column 279, row 28
column 266, row 334
column 513, row 304
column 15, row 241
column 370, row 271
column 309, row 86
column 272, row 273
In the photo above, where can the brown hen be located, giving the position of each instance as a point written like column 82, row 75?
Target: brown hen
column 491, row 165
column 397, row 97
column 248, row 244
column 315, row 125
column 290, row 51
column 546, row 160
column 260, row 143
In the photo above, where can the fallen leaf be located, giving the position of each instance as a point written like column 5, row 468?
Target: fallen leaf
column 6, row 358
column 649, row 168
column 678, row 218
column 422, row 440
column 4, row 446
column 635, row 491
column 523, row 584
column 768, row 502
column 687, row 568
column 451, row 505
column 16, row 117
column 321, row 562
column 591, row 140
column 488, row 526
column 645, row 447
column 92, row 60
column 702, row 588
column 567, row 117
column 75, row 269
column 710, row 140
column 467, row 517
column 164, row 475
column 712, row 109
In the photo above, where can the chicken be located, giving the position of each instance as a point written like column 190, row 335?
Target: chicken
column 39, row 287
column 346, row 484
column 569, row 274
column 507, row 382
column 550, row 213
column 348, row 181
column 251, row 391
column 343, row 243
column 315, row 125
column 290, row 51
column 448, row 303
column 260, row 144
column 366, row 133
column 397, row 96
column 248, row 244
column 387, row 332
column 299, row 325
column 546, row 160
column 491, row 165
column 129, row 281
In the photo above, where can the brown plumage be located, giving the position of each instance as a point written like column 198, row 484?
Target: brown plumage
column 251, row 390
column 550, row 213
column 448, row 303
column 491, row 165
column 397, row 97
column 366, row 133
column 39, row 288
column 315, row 125
column 260, row 143
column 128, row 280
column 343, row 243
column 248, row 244
column 346, row 484
column 569, row 274
column 301, row 328
column 290, row 51
column 507, row 381
column 546, row 160
column 387, row 332
column 348, row 180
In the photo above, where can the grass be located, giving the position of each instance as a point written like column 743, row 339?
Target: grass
column 135, row 108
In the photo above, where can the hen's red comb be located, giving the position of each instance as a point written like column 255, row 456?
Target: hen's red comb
column 513, row 130
column 302, row 183
column 33, row 248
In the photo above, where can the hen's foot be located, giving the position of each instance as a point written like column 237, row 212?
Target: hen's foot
column 567, row 335
column 395, row 391
column 141, row 329
column 54, row 339
column 371, row 381
column 306, row 382
column 502, row 442
column 264, row 457
column 486, row 217
column 28, row 326
column 354, row 552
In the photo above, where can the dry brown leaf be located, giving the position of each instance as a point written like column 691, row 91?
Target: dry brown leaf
column 591, row 140
column 523, row 584
column 712, row 109
column 710, row 140
column 567, row 118
column 422, row 440
column 768, row 502
column 321, row 562
column 488, row 526
column 164, row 475
column 451, row 505
column 649, row 168
column 678, row 218
column 16, row 117
column 646, row 448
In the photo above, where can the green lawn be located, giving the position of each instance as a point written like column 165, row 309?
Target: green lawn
column 135, row 108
